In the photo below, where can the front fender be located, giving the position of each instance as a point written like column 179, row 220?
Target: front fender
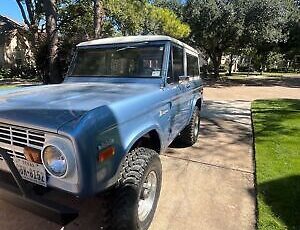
column 131, row 132
column 89, row 138
column 126, row 136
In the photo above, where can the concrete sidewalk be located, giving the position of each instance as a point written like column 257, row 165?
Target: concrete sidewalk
column 211, row 185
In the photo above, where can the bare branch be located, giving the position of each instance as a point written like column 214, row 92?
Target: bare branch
column 23, row 13
column 30, row 10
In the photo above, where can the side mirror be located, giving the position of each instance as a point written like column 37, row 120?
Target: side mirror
column 184, row 78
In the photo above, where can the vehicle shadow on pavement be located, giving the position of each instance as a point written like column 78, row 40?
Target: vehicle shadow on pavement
column 225, row 137
column 215, row 113
column 282, row 196
column 210, row 128
column 92, row 212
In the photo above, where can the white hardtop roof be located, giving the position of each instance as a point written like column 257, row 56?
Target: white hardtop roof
column 129, row 39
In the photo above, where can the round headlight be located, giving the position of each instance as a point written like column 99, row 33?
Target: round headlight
column 54, row 161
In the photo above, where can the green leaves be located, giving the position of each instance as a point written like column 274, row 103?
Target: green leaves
column 76, row 21
column 140, row 17
column 264, row 20
column 132, row 17
column 126, row 16
column 216, row 26
column 164, row 21
column 220, row 26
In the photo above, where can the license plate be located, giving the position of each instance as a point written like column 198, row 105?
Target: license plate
column 31, row 171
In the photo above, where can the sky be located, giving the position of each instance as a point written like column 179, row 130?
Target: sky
column 10, row 9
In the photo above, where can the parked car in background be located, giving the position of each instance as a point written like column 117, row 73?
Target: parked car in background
column 123, row 102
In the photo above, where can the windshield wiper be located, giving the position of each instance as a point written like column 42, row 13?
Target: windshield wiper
column 125, row 48
column 132, row 47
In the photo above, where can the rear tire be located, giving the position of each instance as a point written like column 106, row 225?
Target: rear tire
column 190, row 133
column 135, row 199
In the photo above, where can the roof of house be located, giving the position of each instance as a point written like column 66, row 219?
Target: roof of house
column 7, row 25
column 130, row 39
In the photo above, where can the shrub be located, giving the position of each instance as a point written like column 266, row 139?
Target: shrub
column 19, row 72
column 4, row 73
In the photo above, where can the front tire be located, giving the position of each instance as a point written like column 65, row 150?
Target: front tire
column 136, row 196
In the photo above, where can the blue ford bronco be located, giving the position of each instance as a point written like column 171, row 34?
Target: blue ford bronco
column 122, row 103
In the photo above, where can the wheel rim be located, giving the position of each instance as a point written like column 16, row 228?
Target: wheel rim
column 147, row 196
column 196, row 126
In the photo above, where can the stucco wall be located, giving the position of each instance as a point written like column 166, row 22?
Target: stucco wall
column 16, row 51
column 1, row 55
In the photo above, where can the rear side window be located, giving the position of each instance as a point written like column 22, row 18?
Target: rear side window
column 192, row 66
column 178, row 67
column 176, row 64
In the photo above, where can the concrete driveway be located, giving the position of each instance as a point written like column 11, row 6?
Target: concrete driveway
column 207, row 186
column 211, row 185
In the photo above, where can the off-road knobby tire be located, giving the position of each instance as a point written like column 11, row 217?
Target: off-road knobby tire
column 187, row 135
column 123, row 214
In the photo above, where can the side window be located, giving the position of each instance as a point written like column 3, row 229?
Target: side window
column 176, row 64
column 170, row 71
column 192, row 66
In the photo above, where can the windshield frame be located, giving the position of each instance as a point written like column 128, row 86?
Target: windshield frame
column 120, row 46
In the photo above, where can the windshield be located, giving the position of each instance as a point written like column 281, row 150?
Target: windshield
column 123, row 61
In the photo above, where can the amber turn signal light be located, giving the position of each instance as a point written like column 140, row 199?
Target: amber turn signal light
column 32, row 155
column 106, row 154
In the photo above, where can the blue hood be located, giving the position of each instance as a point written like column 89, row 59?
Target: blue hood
column 51, row 106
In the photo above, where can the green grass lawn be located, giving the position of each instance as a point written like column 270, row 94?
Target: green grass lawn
column 265, row 75
column 6, row 86
column 277, row 145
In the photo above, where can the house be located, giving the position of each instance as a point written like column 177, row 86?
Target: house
column 14, row 46
column 236, row 60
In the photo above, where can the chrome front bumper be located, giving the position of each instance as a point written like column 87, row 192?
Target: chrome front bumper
column 24, row 197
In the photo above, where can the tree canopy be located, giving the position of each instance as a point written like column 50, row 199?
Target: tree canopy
column 255, row 26
column 80, row 20
column 265, row 30
column 216, row 26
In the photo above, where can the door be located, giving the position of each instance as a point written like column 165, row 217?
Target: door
column 181, row 102
column 192, row 70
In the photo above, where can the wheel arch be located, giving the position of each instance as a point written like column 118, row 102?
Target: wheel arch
column 198, row 103
column 150, row 138
column 136, row 142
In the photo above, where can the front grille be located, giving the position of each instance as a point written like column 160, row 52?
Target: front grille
column 14, row 139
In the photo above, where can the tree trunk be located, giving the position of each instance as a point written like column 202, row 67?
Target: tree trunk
column 52, row 38
column 230, row 65
column 29, row 18
column 216, row 60
column 287, row 66
column 249, row 64
column 30, row 11
column 98, row 18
